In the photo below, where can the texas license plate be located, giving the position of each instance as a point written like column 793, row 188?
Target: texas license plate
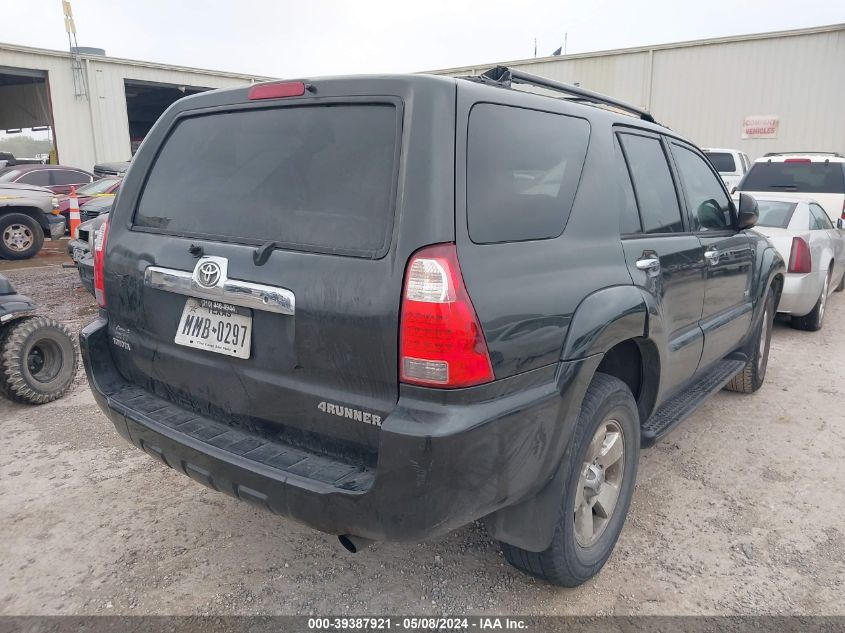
column 215, row 327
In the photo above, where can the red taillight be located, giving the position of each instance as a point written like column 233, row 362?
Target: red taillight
column 441, row 343
column 99, row 255
column 277, row 90
column 843, row 210
column 800, row 260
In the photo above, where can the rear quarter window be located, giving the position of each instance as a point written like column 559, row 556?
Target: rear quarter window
column 523, row 169
column 317, row 178
column 810, row 177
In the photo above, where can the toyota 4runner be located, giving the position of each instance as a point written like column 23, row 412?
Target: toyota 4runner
column 387, row 306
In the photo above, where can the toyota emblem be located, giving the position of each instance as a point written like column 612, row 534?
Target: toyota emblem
column 208, row 274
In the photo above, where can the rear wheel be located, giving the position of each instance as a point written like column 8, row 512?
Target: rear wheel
column 815, row 319
column 751, row 378
column 37, row 360
column 602, row 462
column 21, row 237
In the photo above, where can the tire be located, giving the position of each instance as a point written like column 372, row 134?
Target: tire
column 37, row 360
column 21, row 237
column 813, row 321
column 752, row 376
column 572, row 558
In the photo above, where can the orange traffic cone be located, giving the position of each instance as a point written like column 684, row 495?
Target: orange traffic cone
column 74, row 211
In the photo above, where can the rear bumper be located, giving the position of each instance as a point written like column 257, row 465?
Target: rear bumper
column 442, row 461
column 801, row 292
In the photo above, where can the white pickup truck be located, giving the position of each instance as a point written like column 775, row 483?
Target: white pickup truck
column 731, row 164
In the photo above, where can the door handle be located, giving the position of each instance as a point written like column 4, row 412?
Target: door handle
column 650, row 264
column 712, row 256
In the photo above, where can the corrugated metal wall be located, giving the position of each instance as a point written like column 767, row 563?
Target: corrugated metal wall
column 94, row 130
column 705, row 89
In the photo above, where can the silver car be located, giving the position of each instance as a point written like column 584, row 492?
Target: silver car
column 814, row 250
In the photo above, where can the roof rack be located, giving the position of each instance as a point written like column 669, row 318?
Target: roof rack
column 504, row 76
column 837, row 155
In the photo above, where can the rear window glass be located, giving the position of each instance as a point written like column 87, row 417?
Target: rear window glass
column 311, row 177
column 523, row 168
column 806, row 177
column 722, row 161
column 775, row 214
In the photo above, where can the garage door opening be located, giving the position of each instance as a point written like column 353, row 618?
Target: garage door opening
column 26, row 117
column 146, row 102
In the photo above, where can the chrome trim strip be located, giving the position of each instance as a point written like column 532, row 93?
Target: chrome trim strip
column 234, row 291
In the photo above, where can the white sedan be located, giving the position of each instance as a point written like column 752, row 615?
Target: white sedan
column 814, row 250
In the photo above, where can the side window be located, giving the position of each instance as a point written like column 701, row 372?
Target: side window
column 39, row 177
column 69, row 177
column 653, row 186
column 523, row 169
column 709, row 207
column 629, row 217
column 818, row 219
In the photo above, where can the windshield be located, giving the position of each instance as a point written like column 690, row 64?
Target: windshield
column 316, row 178
column 98, row 186
column 722, row 161
column 9, row 176
column 820, row 177
column 774, row 213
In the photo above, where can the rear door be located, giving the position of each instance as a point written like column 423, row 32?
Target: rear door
column 61, row 180
column 833, row 238
column 726, row 316
column 663, row 257
column 255, row 263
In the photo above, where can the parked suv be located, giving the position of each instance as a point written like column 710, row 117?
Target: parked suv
column 389, row 306
column 800, row 175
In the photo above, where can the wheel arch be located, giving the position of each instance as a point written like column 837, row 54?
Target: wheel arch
column 33, row 212
column 604, row 319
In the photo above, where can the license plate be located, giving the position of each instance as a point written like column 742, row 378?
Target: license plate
column 215, row 327
column 78, row 253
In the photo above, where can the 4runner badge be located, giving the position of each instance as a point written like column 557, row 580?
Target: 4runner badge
column 350, row 413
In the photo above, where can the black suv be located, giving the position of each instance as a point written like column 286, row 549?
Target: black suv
column 387, row 306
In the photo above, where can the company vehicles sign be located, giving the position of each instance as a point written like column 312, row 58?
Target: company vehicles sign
column 760, row 126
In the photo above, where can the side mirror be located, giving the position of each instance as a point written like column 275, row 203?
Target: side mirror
column 748, row 212
column 840, row 223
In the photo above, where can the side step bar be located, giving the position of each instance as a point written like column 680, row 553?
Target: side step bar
column 676, row 409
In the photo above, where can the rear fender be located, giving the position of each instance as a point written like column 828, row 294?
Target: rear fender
column 603, row 319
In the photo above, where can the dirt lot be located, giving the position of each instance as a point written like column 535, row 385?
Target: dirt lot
column 739, row 511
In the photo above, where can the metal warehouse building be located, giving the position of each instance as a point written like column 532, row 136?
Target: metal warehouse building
column 97, row 107
column 768, row 92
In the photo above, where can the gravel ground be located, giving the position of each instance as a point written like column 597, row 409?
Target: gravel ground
column 738, row 511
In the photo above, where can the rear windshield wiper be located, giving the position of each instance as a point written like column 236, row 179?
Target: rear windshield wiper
column 261, row 254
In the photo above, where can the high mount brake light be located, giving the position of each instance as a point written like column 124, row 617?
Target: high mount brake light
column 441, row 343
column 800, row 260
column 100, row 237
column 277, row 90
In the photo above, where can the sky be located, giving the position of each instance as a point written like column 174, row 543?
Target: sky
column 308, row 38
